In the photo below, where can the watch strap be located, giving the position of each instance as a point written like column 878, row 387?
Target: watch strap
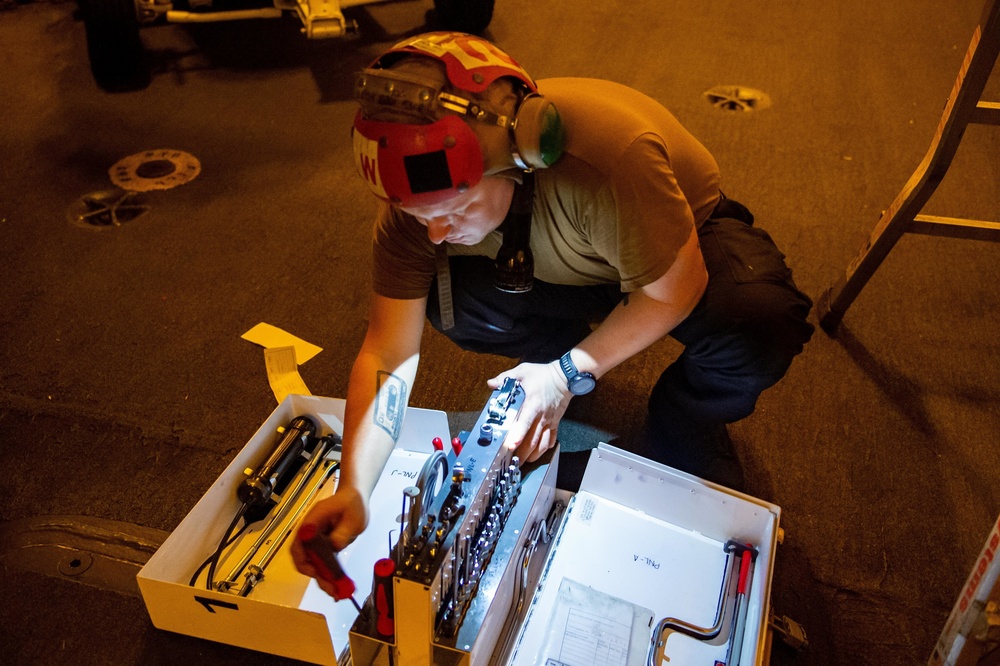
column 568, row 367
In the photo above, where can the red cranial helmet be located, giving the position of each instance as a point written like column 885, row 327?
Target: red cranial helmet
column 432, row 154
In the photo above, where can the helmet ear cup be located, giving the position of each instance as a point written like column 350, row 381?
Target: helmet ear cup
column 539, row 134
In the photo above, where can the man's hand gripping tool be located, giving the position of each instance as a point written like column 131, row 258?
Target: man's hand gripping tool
column 323, row 558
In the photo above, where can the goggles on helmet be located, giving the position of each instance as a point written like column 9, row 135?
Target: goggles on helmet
column 385, row 90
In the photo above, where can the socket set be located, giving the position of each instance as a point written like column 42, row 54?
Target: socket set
column 470, row 521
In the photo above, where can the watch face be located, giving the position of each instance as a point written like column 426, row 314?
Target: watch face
column 582, row 384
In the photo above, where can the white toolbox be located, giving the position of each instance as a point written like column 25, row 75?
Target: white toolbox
column 638, row 544
column 286, row 613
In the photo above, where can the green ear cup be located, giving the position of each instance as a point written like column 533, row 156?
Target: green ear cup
column 539, row 134
column 552, row 139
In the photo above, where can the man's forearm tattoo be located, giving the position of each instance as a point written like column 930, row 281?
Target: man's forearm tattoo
column 390, row 402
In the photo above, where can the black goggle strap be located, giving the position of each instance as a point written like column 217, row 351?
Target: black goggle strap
column 445, row 303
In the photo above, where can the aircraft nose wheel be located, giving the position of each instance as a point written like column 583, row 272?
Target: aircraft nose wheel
column 118, row 60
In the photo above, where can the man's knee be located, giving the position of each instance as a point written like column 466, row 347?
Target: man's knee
column 778, row 321
column 734, row 353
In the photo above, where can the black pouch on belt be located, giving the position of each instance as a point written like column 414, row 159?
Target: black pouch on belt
column 730, row 208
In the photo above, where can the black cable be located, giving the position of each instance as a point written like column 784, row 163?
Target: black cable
column 228, row 543
column 209, row 582
column 213, row 559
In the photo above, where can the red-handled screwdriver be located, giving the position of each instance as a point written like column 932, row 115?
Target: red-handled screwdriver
column 321, row 555
column 385, row 624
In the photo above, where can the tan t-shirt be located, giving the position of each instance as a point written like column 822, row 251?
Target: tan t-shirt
column 616, row 207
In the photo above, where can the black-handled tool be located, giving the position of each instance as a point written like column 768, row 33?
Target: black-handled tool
column 257, row 487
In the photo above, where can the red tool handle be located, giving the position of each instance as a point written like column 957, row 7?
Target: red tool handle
column 385, row 624
column 744, row 579
column 321, row 555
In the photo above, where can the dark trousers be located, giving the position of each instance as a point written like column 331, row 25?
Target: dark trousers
column 739, row 340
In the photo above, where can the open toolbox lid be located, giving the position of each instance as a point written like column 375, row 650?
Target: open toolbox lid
column 641, row 542
column 286, row 614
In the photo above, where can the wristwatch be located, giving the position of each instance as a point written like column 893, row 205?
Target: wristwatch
column 580, row 383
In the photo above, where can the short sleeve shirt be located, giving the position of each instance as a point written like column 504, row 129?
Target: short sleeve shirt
column 615, row 208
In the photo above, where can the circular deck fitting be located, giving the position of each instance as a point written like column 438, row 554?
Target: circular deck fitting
column 75, row 563
column 737, row 98
column 106, row 209
column 154, row 170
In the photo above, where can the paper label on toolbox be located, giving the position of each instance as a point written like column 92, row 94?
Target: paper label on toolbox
column 591, row 627
column 283, row 373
